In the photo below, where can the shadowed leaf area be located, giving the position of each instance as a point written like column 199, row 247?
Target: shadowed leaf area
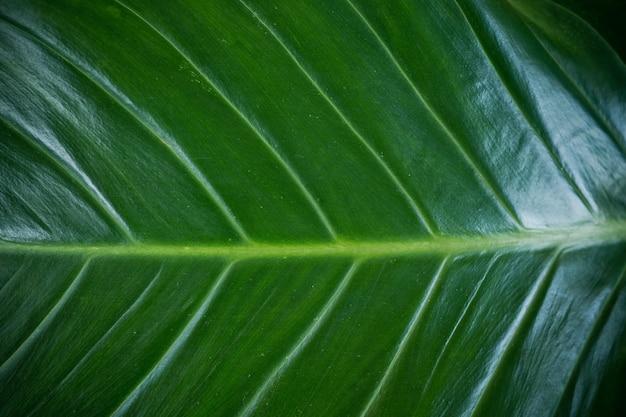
column 322, row 208
column 606, row 16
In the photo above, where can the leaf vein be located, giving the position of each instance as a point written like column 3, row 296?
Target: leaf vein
column 424, row 303
column 14, row 276
column 460, row 320
column 503, row 350
column 17, row 356
column 170, row 144
column 500, row 198
column 302, row 342
column 282, row 160
column 416, row 206
column 175, row 347
column 591, row 208
column 581, row 96
column 602, row 318
column 70, row 168
column 583, row 235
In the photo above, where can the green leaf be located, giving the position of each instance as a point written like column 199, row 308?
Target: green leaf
column 606, row 16
column 323, row 208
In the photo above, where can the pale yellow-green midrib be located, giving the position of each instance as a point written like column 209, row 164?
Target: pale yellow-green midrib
column 584, row 235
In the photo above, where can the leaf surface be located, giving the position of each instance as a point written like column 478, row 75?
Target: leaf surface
column 329, row 208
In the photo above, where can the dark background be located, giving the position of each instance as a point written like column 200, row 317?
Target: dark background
column 608, row 17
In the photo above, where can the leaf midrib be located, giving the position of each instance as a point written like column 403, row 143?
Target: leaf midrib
column 588, row 234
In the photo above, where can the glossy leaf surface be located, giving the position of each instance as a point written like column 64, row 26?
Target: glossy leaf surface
column 323, row 208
